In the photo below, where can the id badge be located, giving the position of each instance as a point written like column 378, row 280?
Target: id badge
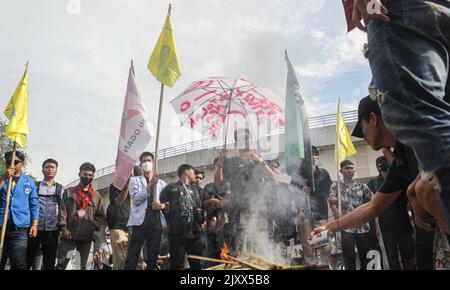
column 81, row 213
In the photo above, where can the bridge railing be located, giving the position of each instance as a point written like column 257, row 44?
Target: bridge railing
column 314, row 122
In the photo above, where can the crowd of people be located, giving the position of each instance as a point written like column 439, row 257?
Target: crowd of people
column 201, row 220
column 403, row 212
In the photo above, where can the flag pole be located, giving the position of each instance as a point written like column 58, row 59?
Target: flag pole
column 338, row 158
column 8, row 194
column 158, row 129
column 161, row 99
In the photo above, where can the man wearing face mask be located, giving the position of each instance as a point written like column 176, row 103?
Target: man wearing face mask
column 146, row 219
column 81, row 213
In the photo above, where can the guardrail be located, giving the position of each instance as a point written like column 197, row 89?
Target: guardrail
column 314, row 122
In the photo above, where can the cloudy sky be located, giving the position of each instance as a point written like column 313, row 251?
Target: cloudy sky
column 80, row 55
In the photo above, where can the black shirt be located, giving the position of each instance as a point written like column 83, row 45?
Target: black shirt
column 178, row 218
column 244, row 181
column 117, row 216
column 319, row 197
column 395, row 218
column 403, row 170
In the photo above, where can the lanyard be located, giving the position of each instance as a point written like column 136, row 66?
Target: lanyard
column 83, row 200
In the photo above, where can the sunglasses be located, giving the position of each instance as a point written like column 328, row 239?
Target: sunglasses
column 16, row 162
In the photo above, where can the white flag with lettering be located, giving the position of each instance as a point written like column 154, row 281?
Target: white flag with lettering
column 135, row 133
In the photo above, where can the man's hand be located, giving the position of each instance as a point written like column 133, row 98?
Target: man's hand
column 252, row 156
column 8, row 173
column 333, row 200
column 33, row 231
column 212, row 223
column 152, row 181
column 317, row 231
column 215, row 202
column 158, row 206
column 367, row 10
column 420, row 214
column 66, row 234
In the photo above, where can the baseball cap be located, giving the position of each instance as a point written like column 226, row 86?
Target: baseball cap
column 365, row 107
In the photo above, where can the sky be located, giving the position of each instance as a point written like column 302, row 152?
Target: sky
column 80, row 51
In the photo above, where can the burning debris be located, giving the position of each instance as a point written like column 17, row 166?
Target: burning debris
column 253, row 262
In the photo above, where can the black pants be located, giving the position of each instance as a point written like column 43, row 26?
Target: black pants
column 424, row 249
column 147, row 233
column 179, row 245
column 363, row 243
column 402, row 242
column 49, row 244
column 66, row 246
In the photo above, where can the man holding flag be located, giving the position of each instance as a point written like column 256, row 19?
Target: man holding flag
column 165, row 67
column 19, row 202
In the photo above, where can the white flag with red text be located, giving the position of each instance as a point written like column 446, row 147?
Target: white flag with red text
column 135, row 133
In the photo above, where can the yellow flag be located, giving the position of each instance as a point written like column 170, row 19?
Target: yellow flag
column 163, row 62
column 344, row 146
column 17, row 112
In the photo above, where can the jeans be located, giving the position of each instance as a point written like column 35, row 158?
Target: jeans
column 15, row 247
column 409, row 59
column 180, row 245
column 363, row 243
column 49, row 243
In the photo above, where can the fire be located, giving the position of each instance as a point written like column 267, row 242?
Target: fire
column 224, row 252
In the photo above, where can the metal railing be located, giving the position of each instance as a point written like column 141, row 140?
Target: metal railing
column 314, row 122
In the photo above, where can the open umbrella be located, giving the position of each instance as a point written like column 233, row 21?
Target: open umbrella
column 208, row 106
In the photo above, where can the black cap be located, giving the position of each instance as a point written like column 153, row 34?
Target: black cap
column 365, row 107
column 315, row 150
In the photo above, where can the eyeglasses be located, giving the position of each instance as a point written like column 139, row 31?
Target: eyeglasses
column 16, row 162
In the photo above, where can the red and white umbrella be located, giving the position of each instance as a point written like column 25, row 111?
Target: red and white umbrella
column 208, row 105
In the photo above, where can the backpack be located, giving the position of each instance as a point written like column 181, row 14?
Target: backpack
column 58, row 191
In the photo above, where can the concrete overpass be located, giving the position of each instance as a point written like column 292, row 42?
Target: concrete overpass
column 201, row 154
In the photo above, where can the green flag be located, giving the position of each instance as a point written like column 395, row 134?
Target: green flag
column 297, row 144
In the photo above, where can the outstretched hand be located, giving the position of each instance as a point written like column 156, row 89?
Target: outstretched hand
column 367, row 10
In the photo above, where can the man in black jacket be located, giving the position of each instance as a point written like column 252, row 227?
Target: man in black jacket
column 185, row 206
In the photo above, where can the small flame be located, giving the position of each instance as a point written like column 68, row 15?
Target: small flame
column 224, row 252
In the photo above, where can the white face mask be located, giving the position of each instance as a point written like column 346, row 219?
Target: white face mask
column 147, row 166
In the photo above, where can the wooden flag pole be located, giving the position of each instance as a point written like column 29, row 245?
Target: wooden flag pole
column 339, row 158
column 8, row 195
column 158, row 129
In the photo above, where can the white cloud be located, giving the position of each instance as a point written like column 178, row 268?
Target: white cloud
column 336, row 55
column 79, row 63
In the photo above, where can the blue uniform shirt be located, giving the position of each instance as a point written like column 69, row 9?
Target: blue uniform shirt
column 24, row 202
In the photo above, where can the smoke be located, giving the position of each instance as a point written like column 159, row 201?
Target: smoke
column 270, row 219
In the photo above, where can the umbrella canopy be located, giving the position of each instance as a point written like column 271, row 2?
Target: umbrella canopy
column 209, row 106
